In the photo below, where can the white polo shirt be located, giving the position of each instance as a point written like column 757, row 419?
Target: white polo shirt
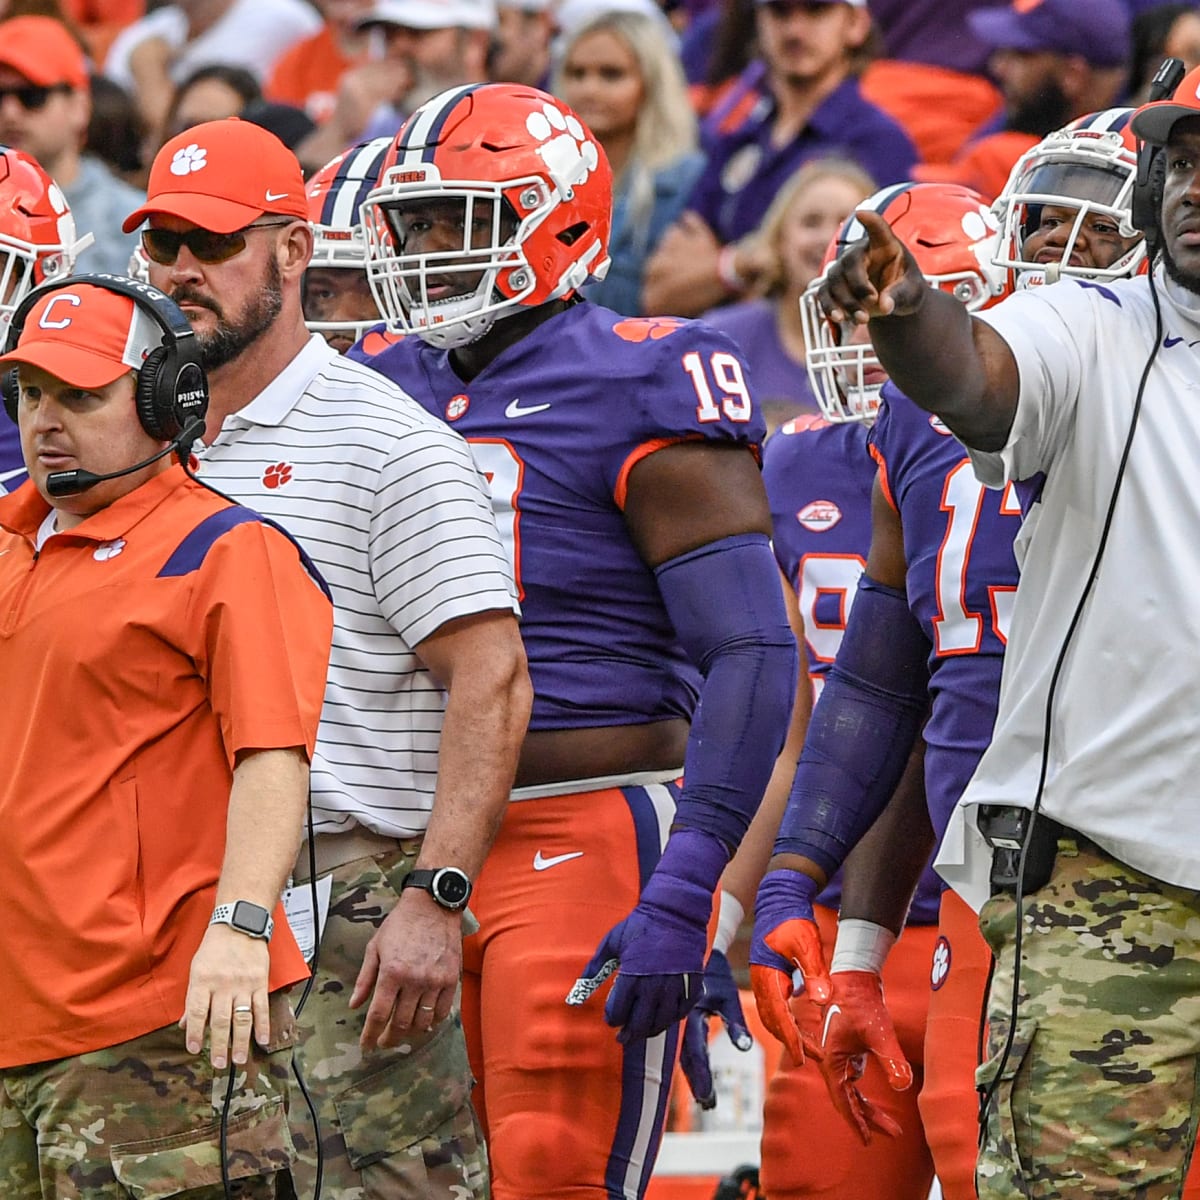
column 1124, row 752
column 388, row 503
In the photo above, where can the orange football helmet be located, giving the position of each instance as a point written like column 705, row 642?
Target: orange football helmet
column 511, row 155
column 37, row 231
column 952, row 233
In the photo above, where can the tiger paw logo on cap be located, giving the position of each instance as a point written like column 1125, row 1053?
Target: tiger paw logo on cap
column 190, row 158
column 567, row 151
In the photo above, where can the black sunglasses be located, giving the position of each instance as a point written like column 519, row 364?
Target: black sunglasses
column 162, row 245
column 33, row 97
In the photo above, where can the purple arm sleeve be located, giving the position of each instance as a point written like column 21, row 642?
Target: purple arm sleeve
column 862, row 729
column 725, row 603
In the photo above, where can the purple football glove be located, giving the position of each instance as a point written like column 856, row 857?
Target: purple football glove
column 786, row 937
column 719, row 998
column 659, row 948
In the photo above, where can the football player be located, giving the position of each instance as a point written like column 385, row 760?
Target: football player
column 338, row 303
column 938, row 583
column 622, row 455
column 37, row 243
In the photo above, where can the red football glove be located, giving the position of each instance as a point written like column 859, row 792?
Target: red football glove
column 857, row 1023
column 786, row 937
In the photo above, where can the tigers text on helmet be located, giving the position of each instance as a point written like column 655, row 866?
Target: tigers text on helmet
column 528, row 187
column 335, row 197
column 951, row 232
column 37, row 231
column 1067, row 206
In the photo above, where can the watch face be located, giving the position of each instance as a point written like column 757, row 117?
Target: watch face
column 252, row 918
column 453, row 887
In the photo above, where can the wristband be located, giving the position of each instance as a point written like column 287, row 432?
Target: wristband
column 727, row 271
column 729, row 920
column 861, row 946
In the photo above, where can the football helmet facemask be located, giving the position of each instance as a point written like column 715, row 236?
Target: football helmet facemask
column 530, row 193
column 951, row 232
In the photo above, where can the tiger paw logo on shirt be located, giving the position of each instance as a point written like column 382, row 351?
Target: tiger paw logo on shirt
column 277, row 475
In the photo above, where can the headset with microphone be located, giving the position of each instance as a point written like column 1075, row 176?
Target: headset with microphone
column 171, row 396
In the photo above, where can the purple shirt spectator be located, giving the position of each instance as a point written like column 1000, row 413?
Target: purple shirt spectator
column 776, row 378
column 744, row 170
column 932, row 32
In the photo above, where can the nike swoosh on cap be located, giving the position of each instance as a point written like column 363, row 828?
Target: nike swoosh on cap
column 272, row 196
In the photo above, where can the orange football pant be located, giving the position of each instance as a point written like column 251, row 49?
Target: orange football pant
column 569, row 1114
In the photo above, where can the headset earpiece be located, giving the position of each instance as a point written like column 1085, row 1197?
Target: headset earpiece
column 1146, row 198
column 172, row 390
column 10, row 390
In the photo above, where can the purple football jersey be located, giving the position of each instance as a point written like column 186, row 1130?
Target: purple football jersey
column 962, row 575
column 556, row 423
column 12, row 465
column 818, row 479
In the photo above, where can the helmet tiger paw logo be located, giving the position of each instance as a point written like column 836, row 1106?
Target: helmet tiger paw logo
column 639, row 329
column 276, row 476
column 188, row 160
column 568, row 152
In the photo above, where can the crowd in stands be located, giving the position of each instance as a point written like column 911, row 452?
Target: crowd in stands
column 707, row 108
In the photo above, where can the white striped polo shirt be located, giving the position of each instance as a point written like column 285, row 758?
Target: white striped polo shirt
column 387, row 502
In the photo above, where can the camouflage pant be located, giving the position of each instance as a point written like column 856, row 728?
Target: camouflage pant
column 1098, row 1098
column 142, row 1119
column 399, row 1124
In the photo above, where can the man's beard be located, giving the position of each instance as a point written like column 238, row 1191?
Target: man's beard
column 228, row 340
column 1041, row 113
column 1185, row 279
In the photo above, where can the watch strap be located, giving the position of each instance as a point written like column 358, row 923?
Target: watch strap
column 223, row 915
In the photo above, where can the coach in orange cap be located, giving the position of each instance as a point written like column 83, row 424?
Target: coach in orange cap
column 164, row 654
column 428, row 695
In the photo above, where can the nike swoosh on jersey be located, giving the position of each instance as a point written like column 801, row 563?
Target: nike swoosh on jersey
column 514, row 409
column 830, row 1013
column 541, row 863
column 1171, row 341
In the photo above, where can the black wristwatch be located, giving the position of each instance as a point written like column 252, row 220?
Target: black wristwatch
column 251, row 919
column 449, row 886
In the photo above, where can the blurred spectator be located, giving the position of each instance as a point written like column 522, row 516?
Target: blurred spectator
column 154, row 54
column 521, row 48
column 45, row 106
column 622, row 77
column 209, row 94
column 415, row 49
column 717, row 46
column 115, row 132
column 1162, row 31
column 809, row 106
column 98, row 21
column 1055, row 60
column 307, row 75
column 931, row 74
column 791, row 243
column 289, row 124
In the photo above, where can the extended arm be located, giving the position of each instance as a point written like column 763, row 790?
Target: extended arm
column 267, row 804
column 415, row 956
column 699, row 516
column 933, row 349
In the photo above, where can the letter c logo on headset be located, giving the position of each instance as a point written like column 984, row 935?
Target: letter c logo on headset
column 114, row 325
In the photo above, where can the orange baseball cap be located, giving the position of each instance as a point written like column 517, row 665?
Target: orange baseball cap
column 1153, row 122
column 222, row 176
column 86, row 336
column 43, row 51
